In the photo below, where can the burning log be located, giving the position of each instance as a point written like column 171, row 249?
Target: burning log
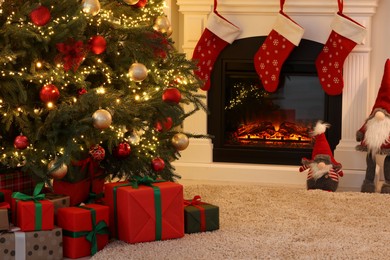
column 256, row 129
column 287, row 129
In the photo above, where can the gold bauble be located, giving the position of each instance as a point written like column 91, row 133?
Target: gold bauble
column 138, row 72
column 169, row 31
column 131, row 2
column 101, row 119
column 91, row 7
column 162, row 24
column 180, row 141
column 59, row 173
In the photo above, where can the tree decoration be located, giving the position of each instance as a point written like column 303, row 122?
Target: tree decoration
column 49, row 93
column 131, row 2
column 162, row 24
column 122, row 150
column 180, row 141
column 72, row 53
column 97, row 44
column 82, row 91
column 40, row 16
column 58, row 173
column 171, row 95
column 158, row 164
column 101, row 119
column 165, row 125
column 97, row 152
column 138, row 72
column 141, row 3
column 91, row 7
column 21, row 142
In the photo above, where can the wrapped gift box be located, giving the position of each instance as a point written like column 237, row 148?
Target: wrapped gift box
column 58, row 200
column 36, row 245
column 78, row 192
column 29, row 216
column 5, row 195
column 200, row 216
column 4, row 215
column 145, row 213
column 79, row 224
column 17, row 181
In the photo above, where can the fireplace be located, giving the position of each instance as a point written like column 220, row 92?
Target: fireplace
column 251, row 125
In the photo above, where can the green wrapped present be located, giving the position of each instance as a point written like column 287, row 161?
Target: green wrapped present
column 200, row 216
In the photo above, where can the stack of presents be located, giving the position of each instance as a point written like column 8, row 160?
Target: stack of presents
column 79, row 219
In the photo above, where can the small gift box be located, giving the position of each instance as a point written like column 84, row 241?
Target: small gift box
column 200, row 216
column 36, row 245
column 145, row 210
column 78, row 192
column 4, row 215
column 5, row 195
column 33, row 212
column 85, row 229
column 17, row 181
column 58, row 200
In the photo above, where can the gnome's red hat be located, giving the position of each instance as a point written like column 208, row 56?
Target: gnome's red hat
column 321, row 150
column 382, row 101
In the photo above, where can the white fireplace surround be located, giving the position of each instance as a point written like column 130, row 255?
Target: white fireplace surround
column 256, row 18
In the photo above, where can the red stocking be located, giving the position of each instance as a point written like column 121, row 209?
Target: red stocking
column 218, row 34
column 346, row 33
column 268, row 60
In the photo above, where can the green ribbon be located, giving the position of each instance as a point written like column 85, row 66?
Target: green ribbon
column 35, row 198
column 93, row 197
column 100, row 228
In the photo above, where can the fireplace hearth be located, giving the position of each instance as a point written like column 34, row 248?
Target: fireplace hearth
column 251, row 125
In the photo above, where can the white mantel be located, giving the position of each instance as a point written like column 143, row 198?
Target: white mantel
column 255, row 18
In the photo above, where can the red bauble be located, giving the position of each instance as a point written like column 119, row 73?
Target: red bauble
column 49, row 93
column 82, row 91
column 97, row 152
column 141, row 3
column 171, row 95
column 21, row 142
column 122, row 150
column 40, row 15
column 164, row 125
column 158, row 164
column 97, row 44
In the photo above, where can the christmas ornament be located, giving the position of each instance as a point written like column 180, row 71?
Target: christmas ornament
column 59, row 173
column 171, row 95
column 324, row 170
column 138, row 72
column 97, row 152
column 97, row 44
column 21, row 142
column 162, row 24
column 218, row 34
column 180, row 141
column 72, row 53
column 91, row 7
column 101, row 119
column 158, row 164
column 82, row 91
column 122, row 150
column 165, row 125
column 141, row 3
column 345, row 35
column 283, row 38
column 49, row 93
column 40, row 16
column 131, row 2
column 169, row 31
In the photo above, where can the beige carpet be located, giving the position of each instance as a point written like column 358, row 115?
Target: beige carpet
column 264, row 222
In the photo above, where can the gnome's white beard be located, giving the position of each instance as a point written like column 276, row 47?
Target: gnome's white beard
column 316, row 172
column 377, row 134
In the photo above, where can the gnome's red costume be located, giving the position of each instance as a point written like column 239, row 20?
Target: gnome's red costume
column 324, row 170
column 374, row 135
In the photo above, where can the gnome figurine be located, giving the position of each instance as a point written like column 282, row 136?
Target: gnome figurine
column 324, row 170
column 374, row 135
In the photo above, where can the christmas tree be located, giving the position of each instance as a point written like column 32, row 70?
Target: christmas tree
column 92, row 83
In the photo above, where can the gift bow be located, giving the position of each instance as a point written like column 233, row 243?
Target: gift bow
column 146, row 180
column 195, row 201
column 35, row 198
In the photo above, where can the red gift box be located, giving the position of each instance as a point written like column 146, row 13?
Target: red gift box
column 17, row 181
column 145, row 213
column 80, row 225
column 78, row 192
column 5, row 195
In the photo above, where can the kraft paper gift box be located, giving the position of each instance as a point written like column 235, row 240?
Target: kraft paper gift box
column 145, row 213
column 31, row 213
column 5, row 195
column 35, row 245
column 58, row 200
column 85, row 229
column 4, row 215
column 200, row 216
